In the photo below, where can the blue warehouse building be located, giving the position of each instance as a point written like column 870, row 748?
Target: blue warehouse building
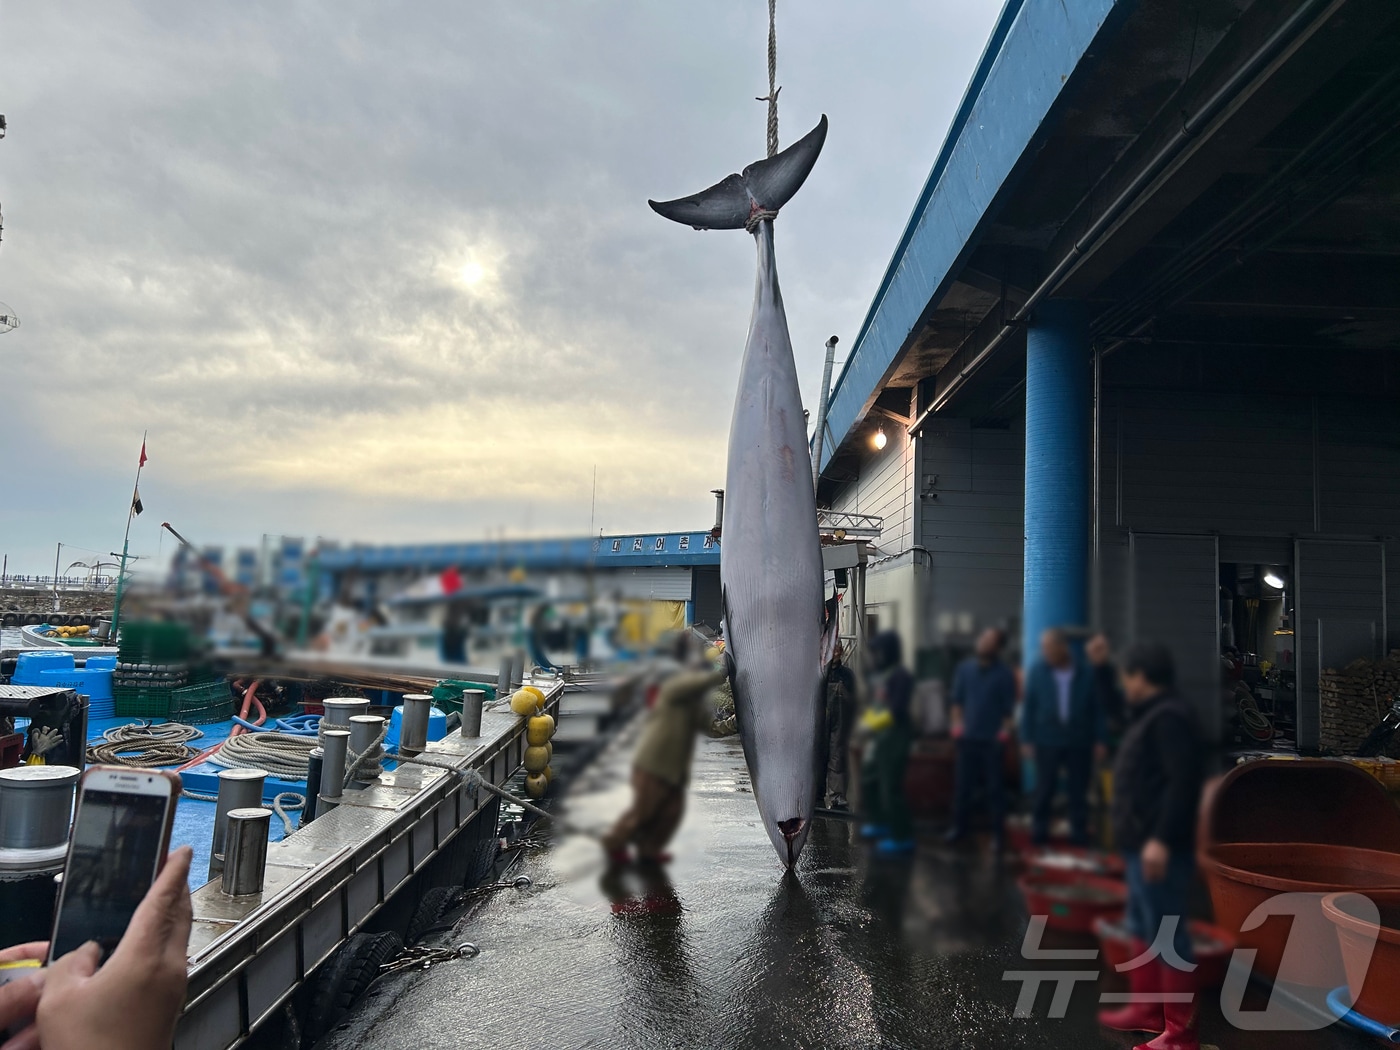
column 1136, row 351
column 671, row 566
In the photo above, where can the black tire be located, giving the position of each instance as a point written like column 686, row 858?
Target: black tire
column 11, row 619
column 483, row 862
column 32, row 619
column 429, row 912
column 343, row 979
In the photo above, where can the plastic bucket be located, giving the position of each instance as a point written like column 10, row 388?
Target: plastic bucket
column 1373, row 973
column 30, row 662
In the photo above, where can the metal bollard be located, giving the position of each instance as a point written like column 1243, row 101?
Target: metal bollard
column 247, row 851
column 473, row 700
column 333, row 768
column 517, row 669
column 503, row 675
column 238, row 789
column 413, row 724
column 364, row 730
column 315, row 760
column 338, row 711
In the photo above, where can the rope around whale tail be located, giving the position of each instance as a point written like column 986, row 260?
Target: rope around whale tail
column 772, row 97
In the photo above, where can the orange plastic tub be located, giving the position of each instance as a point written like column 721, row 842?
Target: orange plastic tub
column 1311, row 826
column 1373, row 975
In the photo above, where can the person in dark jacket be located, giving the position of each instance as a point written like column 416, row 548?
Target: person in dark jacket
column 1098, row 650
column 1156, row 789
column 453, row 646
column 984, row 697
column 1062, row 728
column 887, row 754
column 840, row 717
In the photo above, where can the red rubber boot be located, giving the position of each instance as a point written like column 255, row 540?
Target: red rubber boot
column 1141, row 1016
column 1181, row 1018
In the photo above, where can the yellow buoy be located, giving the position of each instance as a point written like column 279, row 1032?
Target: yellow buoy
column 536, row 758
column 524, row 702
column 535, row 785
column 549, row 774
column 538, row 730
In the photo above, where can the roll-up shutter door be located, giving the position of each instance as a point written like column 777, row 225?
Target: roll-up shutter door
column 657, row 584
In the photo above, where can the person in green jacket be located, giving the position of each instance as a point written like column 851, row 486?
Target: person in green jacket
column 889, row 728
column 661, row 763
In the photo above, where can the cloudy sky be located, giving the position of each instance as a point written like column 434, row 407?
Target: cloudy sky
column 385, row 272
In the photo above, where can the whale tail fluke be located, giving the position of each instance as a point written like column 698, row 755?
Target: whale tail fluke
column 764, row 186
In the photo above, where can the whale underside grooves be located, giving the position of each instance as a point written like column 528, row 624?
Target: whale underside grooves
column 770, row 553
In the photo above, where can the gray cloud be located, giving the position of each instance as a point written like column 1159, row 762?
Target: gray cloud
column 380, row 271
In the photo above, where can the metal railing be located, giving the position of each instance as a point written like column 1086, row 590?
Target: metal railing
column 20, row 582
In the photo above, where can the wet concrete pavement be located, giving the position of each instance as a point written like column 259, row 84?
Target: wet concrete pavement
column 725, row 951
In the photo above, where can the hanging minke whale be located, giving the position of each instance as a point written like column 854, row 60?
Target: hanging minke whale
column 770, row 552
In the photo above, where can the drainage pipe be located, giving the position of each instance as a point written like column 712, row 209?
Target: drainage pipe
column 822, row 404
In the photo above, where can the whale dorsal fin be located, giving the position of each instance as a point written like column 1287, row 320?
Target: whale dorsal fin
column 765, row 185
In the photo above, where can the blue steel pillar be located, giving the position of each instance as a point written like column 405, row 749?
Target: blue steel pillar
column 1058, row 387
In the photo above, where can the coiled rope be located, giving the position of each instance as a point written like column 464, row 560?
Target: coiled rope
column 281, row 754
column 1255, row 722
column 369, row 762
column 145, row 745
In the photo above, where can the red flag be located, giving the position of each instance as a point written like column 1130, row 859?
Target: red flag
column 451, row 580
column 143, row 455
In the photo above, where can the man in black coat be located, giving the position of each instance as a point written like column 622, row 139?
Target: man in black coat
column 1156, row 789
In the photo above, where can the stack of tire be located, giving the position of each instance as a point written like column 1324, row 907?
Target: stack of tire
column 528, row 703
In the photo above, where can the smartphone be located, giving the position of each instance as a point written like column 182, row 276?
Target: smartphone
column 121, row 835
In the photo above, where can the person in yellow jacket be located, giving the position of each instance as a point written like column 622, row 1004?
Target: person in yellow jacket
column 661, row 763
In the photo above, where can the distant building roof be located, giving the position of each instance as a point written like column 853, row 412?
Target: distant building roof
column 632, row 550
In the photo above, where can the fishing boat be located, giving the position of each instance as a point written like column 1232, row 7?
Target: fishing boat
column 45, row 636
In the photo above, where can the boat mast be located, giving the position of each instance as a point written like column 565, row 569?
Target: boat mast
column 126, row 539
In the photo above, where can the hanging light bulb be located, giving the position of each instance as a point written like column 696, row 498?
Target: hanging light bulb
column 879, row 439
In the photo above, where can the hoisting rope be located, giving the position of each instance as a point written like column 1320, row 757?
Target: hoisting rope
column 760, row 215
column 473, row 779
column 772, row 97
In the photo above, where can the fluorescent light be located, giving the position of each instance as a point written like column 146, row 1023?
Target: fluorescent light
column 1274, row 580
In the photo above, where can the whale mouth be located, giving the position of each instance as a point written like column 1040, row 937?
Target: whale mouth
column 791, row 830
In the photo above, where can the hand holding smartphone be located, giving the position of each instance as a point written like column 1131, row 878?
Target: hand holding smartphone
column 121, row 835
